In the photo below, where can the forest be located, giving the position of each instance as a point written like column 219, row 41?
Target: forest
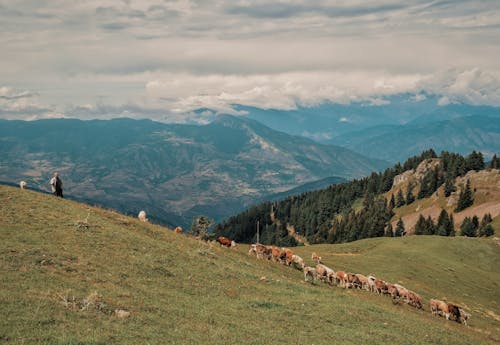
column 357, row 209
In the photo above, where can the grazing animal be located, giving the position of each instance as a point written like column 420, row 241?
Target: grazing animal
column 371, row 283
column 454, row 311
column 439, row 308
column 325, row 273
column 363, row 280
column 402, row 292
column 464, row 316
column 392, row 290
column 340, row 278
column 415, row 300
column 276, row 253
column 315, row 257
column 297, row 261
column 380, row 286
column 178, row 230
column 288, row 253
column 310, row 272
column 224, row 241
column 23, row 185
column 142, row 216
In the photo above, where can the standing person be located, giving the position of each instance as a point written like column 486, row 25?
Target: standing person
column 56, row 184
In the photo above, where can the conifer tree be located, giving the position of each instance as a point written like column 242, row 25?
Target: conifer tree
column 392, row 203
column 467, row 228
column 474, row 161
column 443, row 224
column 409, row 195
column 421, row 226
column 400, row 200
column 487, row 230
column 495, row 162
column 451, row 230
column 400, row 228
column 389, row 232
column 449, row 186
column 465, row 198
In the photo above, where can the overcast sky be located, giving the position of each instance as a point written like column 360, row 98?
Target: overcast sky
column 164, row 59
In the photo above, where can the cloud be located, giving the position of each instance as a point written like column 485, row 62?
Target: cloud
column 166, row 58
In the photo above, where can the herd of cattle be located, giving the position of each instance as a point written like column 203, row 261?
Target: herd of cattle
column 349, row 280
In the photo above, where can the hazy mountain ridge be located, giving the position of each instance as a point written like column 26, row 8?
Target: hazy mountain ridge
column 174, row 172
column 460, row 135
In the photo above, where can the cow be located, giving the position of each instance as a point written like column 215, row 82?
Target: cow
column 287, row 255
column 363, row 280
column 402, row 292
column 224, row 241
column 340, row 278
column 315, row 257
column 178, row 230
column 439, row 308
column 23, row 185
column 142, row 216
column 325, row 273
column 371, row 283
column 464, row 316
column 380, row 286
column 392, row 290
column 355, row 281
column 415, row 300
column 297, row 261
column 310, row 272
column 260, row 251
column 276, row 254
column 454, row 311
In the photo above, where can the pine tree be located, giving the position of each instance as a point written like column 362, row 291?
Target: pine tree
column 421, row 226
column 400, row 200
column 465, row 198
column 392, row 203
column 400, row 228
column 451, row 229
column 409, row 195
column 467, row 228
column 443, row 224
column 487, row 230
column 495, row 162
column 389, row 231
column 449, row 186
column 474, row 161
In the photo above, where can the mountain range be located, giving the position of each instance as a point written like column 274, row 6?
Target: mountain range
column 173, row 172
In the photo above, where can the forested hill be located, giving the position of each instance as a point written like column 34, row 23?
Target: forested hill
column 358, row 209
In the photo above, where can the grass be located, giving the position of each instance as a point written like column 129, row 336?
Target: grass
column 183, row 291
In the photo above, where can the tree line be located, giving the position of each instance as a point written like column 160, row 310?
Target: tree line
column 353, row 210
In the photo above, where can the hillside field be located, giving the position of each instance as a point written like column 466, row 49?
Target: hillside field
column 65, row 267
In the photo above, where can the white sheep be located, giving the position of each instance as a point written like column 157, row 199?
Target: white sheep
column 142, row 216
column 23, row 185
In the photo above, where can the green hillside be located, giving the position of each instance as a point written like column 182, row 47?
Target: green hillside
column 56, row 256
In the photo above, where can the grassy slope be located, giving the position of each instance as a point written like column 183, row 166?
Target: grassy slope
column 183, row 291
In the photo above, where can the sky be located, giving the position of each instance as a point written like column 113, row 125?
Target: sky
column 165, row 59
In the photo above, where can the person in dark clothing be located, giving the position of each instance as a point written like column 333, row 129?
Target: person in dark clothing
column 56, row 184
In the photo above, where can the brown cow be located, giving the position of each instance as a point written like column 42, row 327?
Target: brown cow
column 380, row 286
column 178, row 230
column 415, row 300
column 325, row 273
column 276, row 253
column 315, row 257
column 402, row 292
column 339, row 277
column 363, row 280
column 439, row 308
column 310, row 272
column 297, row 261
column 288, row 256
column 224, row 241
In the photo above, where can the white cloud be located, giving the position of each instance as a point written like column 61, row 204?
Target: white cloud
column 343, row 119
column 192, row 54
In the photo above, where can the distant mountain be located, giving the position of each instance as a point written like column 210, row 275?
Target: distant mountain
column 327, row 121
column 173, row 172
column 395, row 143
